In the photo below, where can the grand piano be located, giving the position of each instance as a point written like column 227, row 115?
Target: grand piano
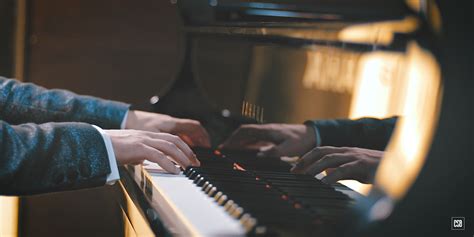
column 277, row 61
column 286, row 62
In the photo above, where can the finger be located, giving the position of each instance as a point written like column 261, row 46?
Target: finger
column 345, row 171
column 187, row 139
column 160, row 158
column 201, row 138
column 313, row 156
column 170, row 149
column 328, row 161
column 137, row 163
column 205, row 140
column 286, row 148
column 181, row 145
column 282, row 149
column 194, row 134
column 247, row 134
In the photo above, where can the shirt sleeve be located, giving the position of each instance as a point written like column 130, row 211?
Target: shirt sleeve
column 124, row 120
column 114, row 173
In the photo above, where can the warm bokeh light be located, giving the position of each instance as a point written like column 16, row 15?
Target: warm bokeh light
column 377, row 91
column 380, row 33
column 404, row 84
column 409, row 146
column 9, row 216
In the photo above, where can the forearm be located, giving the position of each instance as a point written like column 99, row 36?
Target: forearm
column 368, row 133
column 26, row 102
column 51, row 157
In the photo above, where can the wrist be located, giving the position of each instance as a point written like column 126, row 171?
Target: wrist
column 313, row 134
column 130, row 119
column 141, row 120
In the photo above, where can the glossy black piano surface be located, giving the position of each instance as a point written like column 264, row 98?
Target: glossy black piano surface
column 261, row 193
column 238, row 57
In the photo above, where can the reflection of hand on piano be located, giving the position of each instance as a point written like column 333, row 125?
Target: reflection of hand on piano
column 286, row 139
column 191, row 131
column 342, row 163
column 133, row 146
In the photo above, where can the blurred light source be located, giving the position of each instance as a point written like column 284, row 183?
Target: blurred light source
column 410, row 143
column 377, row 91
column 381, row 33
column 407, row 85
column 9, row 216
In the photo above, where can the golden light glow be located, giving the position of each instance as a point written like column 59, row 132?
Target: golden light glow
column 415, row 5
column 9, row 216
column 407, row 85
column 379, row 77
column 377, row 90
column 378, row 33
column 406, row 153
column 134, row 218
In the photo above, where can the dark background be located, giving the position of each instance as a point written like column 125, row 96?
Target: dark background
column 116, row 49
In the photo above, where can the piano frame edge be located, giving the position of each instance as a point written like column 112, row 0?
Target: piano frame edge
column 164, row 218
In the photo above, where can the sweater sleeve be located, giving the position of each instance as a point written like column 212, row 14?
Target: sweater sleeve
column 29, row 103
column 368, row 133
column 51, row 157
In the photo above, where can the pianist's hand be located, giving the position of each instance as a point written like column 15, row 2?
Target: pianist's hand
column 191, row 131
column 284, row 139
column 341, row 163
column 133, row 147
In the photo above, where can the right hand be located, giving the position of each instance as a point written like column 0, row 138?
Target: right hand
column 191, row 131
column 133, row 147
column 285, row 139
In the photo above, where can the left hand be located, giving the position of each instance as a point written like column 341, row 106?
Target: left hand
column 342, row 163
column 191, row 131
column 284, row 139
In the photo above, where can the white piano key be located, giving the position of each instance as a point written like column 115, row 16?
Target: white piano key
column 184, row 208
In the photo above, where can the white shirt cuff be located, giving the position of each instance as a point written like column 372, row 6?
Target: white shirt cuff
column 114, row 173
column 122, row 125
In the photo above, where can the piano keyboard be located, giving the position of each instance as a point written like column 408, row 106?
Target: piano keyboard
column 237, row 194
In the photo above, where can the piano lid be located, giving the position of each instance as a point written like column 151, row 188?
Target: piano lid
column 239, row 12
column 300, row 22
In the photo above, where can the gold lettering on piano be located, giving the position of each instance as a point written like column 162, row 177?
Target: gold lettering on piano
column 331, row 69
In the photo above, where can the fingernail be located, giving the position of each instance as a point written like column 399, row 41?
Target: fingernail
column 260, row 154
column 177, row 170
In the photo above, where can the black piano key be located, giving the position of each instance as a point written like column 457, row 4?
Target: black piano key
column 265, row 197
